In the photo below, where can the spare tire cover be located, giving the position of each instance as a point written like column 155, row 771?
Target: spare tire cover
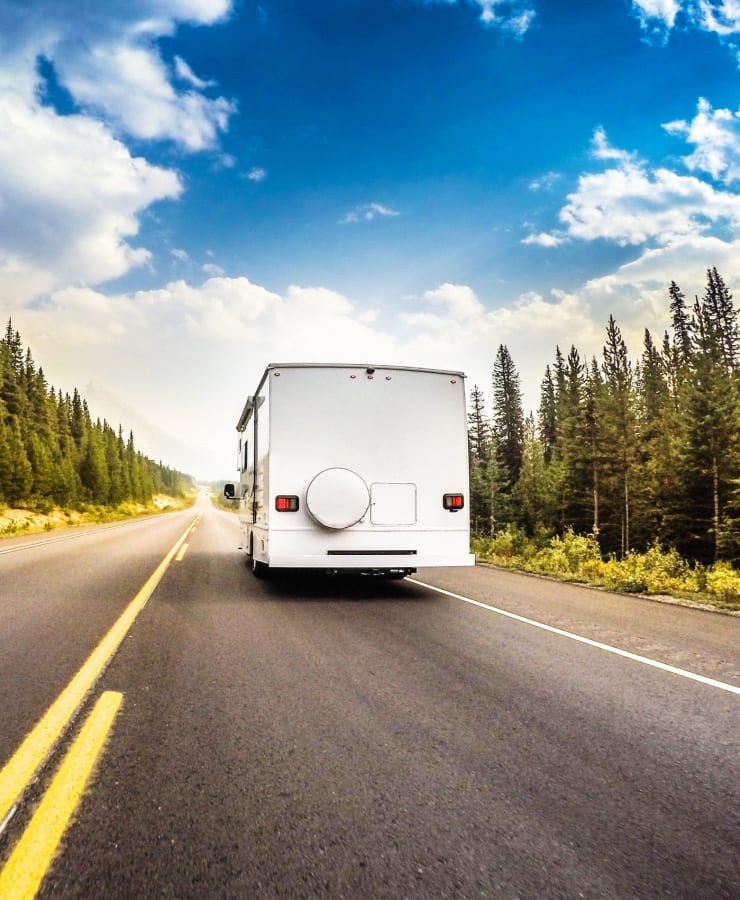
column 337, row 498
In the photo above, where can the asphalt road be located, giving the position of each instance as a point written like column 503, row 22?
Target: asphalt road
column 304, row 737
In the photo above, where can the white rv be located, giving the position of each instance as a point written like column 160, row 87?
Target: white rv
column 354, row 468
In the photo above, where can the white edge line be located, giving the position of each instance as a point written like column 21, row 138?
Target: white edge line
column 79, row 534
column 664, row 667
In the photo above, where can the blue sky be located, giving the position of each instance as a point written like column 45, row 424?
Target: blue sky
column 190, row 189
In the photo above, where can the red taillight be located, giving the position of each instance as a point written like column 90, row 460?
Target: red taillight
column 285, row 503
column 453, row 501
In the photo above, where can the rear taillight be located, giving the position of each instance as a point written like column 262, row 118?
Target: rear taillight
column 286, row 503
column 453, row 502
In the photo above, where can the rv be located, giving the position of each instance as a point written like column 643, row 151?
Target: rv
column 354, row 468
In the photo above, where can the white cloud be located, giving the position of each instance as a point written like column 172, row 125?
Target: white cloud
column 366, row 213
column 659, row 17
column 115, row 341
column 720, row 16
column 632, row 204
column 459, row 301
column 543, row 239
column 71, row 194
column 185, row 73
column 657, row 14
column 211, row 269
column 130, row 85
column 716, row 135
column 256, row 174
column 515, row 16
column 109, row 61
column 602, row 149
column 545, row 182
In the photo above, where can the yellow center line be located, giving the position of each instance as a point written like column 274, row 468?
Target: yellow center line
column 38, row 744
column 182, row 552
column 29, row 861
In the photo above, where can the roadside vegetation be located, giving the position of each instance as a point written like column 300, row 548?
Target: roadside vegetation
column 14, row 522
column 629, row 475
column 58, row 466
column 578, row 558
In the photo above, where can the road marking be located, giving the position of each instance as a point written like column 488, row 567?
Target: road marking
column 183, row 550
column 32, row 855
column 38, row 744
column 711, row 682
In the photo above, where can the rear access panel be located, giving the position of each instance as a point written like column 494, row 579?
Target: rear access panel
column 392, row 503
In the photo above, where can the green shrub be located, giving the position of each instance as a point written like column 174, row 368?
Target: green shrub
column 510, row 547
column 723, row 581
column 577, row 557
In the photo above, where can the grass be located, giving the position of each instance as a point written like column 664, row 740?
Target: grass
column 574, row 557
column 14, row 522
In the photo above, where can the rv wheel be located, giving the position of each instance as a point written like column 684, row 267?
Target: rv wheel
column 259, row 569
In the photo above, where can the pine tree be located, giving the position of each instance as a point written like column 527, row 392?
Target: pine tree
column 680, row 319
column 18, row 477
column 593, row 402
column 571, row 450
column 479, row 437
column 532, row 494
column 49, row 445
column 711, row 453
column 721, row 318
column 619, row 424
column 547, row 416
column 508, row 415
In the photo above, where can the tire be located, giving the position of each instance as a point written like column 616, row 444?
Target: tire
column 260, row 569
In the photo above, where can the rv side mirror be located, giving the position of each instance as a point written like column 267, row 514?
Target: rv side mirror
column 229, row 491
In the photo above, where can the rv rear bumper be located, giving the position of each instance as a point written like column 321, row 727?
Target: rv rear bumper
column 363, row 561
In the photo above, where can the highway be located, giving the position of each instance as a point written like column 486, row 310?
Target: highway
column 306, row 737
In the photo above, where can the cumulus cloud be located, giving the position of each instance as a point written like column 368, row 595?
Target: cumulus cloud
column 458, row 301
column 115, row 340
column 366, row 213
column 602, row 149
column 659, row 17
column 111, row 65
column 130, row 85
column 720, row 16
column 631, row 205
column 71, row 192
column 715, row 133
column 514, row 16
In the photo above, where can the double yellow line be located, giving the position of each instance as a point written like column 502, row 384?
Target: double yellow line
column 30, row 859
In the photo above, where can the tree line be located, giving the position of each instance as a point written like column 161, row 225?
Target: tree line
column 633, row 453
column 53, row 454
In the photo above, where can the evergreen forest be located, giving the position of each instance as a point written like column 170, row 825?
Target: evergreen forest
column 53, row 454
column 636, row 453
